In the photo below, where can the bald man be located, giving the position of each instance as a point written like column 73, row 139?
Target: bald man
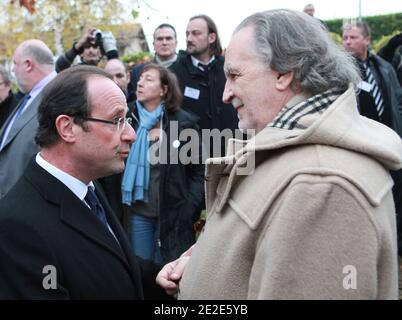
column 33, row 69
column 118, row 71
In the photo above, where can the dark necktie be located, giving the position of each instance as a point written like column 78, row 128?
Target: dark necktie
column 92, row 200
column 17, row 114
column 204, row 67
column 375, row 91
column 21, row 106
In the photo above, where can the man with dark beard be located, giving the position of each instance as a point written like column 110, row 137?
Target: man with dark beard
column 202, row 80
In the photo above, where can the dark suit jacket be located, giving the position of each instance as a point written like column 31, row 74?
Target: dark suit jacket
column 43, row 223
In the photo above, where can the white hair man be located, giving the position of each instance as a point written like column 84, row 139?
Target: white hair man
column 318, row 207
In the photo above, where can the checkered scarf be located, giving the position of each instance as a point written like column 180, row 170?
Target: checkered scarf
column 300, row 115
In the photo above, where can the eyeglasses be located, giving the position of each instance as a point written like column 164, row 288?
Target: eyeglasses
column 120, row 123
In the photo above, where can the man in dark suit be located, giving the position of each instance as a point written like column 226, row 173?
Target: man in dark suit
column 59, row 238
column 34, row 69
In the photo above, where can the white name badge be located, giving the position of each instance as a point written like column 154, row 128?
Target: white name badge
column 365, row 86
column 192, row 93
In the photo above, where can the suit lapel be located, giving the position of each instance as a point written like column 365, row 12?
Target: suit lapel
column 120, row 235
column 23, row 120
column 73, row 212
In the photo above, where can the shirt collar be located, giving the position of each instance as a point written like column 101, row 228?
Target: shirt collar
column 195, row 61
column 38, row 88
column 41, row 84
column 165, row 63
column 76, row 186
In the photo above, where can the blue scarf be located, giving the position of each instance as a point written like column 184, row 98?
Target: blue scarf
column 135, row 183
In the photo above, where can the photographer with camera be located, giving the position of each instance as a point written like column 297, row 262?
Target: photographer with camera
column 92, row 46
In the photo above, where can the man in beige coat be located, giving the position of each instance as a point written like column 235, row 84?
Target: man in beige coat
column 315, row 219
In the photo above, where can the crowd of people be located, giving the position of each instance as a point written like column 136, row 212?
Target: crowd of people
column 105, row 172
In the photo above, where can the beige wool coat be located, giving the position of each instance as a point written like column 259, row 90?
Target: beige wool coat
column 314, row 220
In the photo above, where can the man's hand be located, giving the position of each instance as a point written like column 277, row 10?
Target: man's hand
column 168, row 278
column 87, row 38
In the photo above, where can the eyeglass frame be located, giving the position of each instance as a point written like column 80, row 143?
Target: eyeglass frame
column 120, row 123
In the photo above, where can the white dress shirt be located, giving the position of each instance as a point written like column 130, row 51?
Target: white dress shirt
column 196, row 62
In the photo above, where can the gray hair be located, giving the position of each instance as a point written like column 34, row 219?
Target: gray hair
column 5, row 75
column 307, row 6
column 363, row 26
column 40, row 53
column 166, row 25
column 291, row 41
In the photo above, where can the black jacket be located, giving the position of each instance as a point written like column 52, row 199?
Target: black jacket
column 397, row 64
column 181, row 187
column 7, row 106
column 392, row 52
column 391, row 92
column 209, row 107
column 392, row 96
column 42, row 223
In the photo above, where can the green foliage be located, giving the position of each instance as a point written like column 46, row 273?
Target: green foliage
column 380, row 25
column 383, row 41
column 334, row 26
column 135, row 14
column 336, row 37
column 57, row 22
column 133, row 59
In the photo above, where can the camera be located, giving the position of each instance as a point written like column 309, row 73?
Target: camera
column 98, row 38
column 105, row 41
